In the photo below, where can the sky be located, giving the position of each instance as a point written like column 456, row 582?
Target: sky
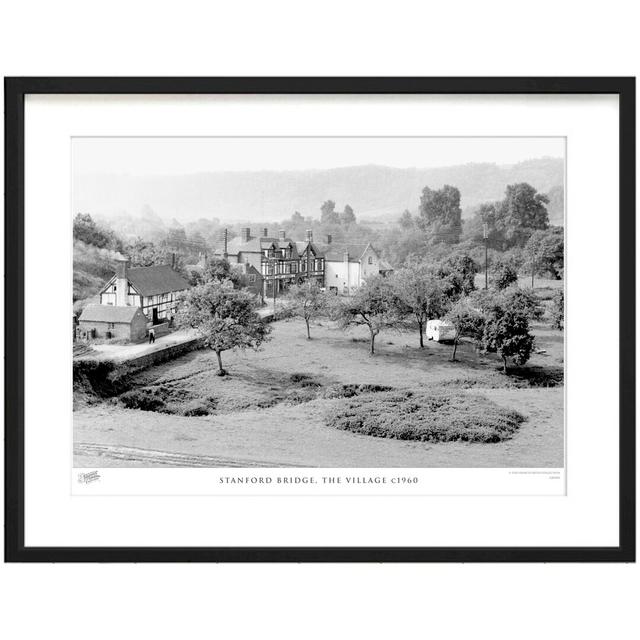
column 179, row 156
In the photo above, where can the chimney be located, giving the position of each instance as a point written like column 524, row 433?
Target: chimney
column 265, row 232
column 225, row 239
column 122, row 281
column 282, row 234
column 345, row 255
column 246, row 234
column 309, row 235
column 329, row 238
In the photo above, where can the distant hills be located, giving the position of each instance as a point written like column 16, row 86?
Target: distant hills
column 373, row 191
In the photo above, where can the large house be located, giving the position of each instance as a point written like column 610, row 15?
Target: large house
column 348, row 265
column 280, row 261
column 152, row 291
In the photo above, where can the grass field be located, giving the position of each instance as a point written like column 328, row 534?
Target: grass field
column 273, row 407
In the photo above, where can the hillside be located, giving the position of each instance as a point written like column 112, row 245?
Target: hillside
column 371, row 190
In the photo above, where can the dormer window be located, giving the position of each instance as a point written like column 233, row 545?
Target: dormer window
column 370, row 260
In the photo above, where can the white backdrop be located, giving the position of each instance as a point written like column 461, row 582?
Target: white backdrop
column 293, row 38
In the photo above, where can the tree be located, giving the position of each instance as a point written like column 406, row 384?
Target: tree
column 86, row 230
column 328, row 214
column 306, row 301
column 522, row 211
column 297, row 218
column 557, row 310
column 224, row 317
column 544, row 252
column 440, row 214
column 524, row 301
column 467, row 320
column 406, row 220
column 418, row 294
column 506, row 331
column 503, row 275
column 219, row 270
column 458, row 273
column 371, row 306
column 347, row 217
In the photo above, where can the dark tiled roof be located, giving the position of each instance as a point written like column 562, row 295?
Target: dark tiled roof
column 151, row 281
column 256, row 245
column 335, row 252
column 108, row 313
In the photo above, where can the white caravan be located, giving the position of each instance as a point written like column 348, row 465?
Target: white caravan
column 440, row 331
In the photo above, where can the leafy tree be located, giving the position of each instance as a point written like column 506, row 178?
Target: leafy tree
column 297, row 218
column 545, row 252
column 440, row 214
column 306, row 301
column 220, row 270
column 224, row 317
column 347, row 217
column 371, row 306
column 557, row 310
column 406, row 220
column 524, row 301
column 522, row 211
column 86, row 230
column 467, row 320
column 458, row 273
column 503, row 275
column 418, row 294
column 506, row 331
column 328, row 214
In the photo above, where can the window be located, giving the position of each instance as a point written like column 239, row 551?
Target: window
column 252, row 277
column 370, row 260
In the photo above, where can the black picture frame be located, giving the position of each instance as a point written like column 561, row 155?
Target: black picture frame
column 15, row 91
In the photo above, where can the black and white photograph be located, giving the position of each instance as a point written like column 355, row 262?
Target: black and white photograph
column 318, row 302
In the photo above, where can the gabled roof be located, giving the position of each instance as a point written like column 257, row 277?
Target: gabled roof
column 108, row 313
column 315, row 249
column 151, row 281
column 255, row 245
column 245, row 268
column 335, row 252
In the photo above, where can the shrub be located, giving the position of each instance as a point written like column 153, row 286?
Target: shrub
column 143, row 399
column 557, row 310
column 437, row 417
column 196, row 408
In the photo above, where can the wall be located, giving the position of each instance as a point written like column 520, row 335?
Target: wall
column 162, row 355
column 120, row 330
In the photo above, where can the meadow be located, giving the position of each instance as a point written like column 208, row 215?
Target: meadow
column 278, row 405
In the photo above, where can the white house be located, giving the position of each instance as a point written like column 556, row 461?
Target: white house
column 154, row 289
column 348, row 265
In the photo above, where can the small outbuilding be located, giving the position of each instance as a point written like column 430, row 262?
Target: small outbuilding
column 109, row 321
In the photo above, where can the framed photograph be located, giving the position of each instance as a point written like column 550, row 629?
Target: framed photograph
column 320, row 319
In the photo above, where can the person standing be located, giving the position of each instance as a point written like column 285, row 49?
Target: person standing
column 152, row 336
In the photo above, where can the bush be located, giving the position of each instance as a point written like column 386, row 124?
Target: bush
column 557, row 310
column 437, row 417
column 143, row 399
column 196, row 408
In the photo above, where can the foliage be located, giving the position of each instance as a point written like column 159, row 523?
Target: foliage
column 467, row 319
column 406, row 220
column 307, row 301
column 506, row 331
column 328, row 213
column 418, row 294
column 224, row 317
column 557, row 309
column 371, row 306
column 440, row 215
column 87, row 231
column 503, row 275
column 458, row 273
column 347, row 217
column 428, row 417
column 143, row 399
column 545, row 248
column 525, row 302
column 511, row 221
